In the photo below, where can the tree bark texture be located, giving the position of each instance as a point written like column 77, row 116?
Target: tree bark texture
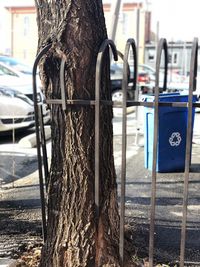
column 75, row 237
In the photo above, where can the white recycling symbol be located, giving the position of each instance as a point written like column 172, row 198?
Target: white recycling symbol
column 175, row 139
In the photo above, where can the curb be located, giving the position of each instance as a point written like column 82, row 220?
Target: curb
column 4, row 262
column 29, row 141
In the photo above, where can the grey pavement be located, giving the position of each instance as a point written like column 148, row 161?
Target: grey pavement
column 19, row 182
column 7, row 263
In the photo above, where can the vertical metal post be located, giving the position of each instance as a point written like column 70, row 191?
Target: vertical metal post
column 115, row 17
column 138, row 31
column 137, row 91
column 38, row 140
column 130, row 43
column 157, row 33
column 123, row 177
column 43, row 144
column 192, row 84
column 62, row 84
column 97, row 131
column 162, row 45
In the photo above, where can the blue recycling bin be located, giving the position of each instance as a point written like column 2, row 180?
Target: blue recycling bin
column 172, row 130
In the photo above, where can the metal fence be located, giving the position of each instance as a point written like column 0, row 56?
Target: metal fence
column 156, row 104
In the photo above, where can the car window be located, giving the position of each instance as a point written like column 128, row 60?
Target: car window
column 5, row 71
column 14, row 63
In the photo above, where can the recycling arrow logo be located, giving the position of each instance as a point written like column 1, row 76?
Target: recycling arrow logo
column 175, row 139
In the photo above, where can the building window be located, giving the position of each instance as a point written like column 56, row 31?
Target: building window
column 173, row 58
column 151, row 56
column 26, row 25
column 169, row 58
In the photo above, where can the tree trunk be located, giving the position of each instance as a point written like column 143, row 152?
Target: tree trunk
column 75, row 237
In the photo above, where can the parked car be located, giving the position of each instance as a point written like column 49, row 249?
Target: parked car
column 149, row 70
column 19, row 81
column 175, row 81
column 16, row 110
column 116, row 73
column 16, row 64
column 18, row 84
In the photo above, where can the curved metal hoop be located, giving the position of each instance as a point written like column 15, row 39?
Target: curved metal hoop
column 130, row 44
column 162, row 46
column 37, row 126
column 107, row 43
column 128, row 68
column 39, row 56
column 35, row 65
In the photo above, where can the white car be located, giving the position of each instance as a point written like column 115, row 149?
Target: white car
column 18, row 81
column 16, row 65
column 16, row 110
column 17, row 94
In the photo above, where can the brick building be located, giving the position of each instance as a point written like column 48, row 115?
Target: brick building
column 19, row 29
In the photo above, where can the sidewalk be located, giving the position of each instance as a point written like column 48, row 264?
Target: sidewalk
column 7, row 262
column 20, row 209
column 138, row 188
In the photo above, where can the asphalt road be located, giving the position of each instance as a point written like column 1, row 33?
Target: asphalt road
column 20, row 200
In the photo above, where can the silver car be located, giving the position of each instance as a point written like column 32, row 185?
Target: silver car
column 16, row 110
column 16, row 100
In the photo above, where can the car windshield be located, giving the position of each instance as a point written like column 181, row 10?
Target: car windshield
column 6, row 71
column 16, row 64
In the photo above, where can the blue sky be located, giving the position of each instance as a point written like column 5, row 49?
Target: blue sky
column 178, row 19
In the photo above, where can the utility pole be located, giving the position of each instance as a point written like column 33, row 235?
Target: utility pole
column 115, row 15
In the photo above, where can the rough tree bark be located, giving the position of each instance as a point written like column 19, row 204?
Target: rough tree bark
column 76, row 29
